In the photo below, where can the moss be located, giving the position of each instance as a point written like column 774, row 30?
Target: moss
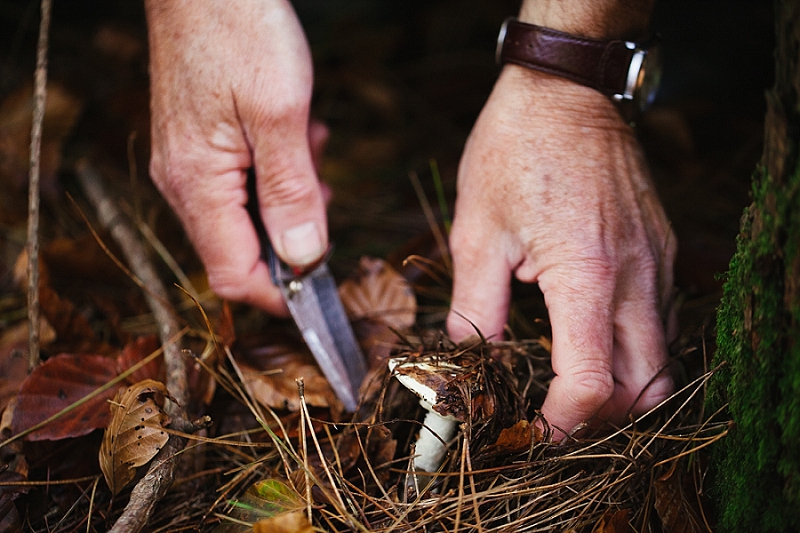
column 758, row 465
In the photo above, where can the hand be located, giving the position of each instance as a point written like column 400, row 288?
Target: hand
column 554, row 189
column 231, row 87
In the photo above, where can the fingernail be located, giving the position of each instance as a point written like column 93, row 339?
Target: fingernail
column 302, row 245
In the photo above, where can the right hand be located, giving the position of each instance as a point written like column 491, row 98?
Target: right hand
column 231, row 89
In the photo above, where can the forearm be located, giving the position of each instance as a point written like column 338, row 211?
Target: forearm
column 599, row 19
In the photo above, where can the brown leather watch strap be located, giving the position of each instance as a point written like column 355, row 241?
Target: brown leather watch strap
column 602, row 65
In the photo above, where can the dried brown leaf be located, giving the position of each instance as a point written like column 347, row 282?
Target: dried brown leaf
column 293, row 522
column 676, row 502
column 14, row 357
column 613, row 521
column 134, row 352
column 270, row 373
column 72, row 329
column 516, row 439
column 377, row 291
column 56, row 384
column 135, row 434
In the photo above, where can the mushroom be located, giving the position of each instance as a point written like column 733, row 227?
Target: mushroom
column 430, row 380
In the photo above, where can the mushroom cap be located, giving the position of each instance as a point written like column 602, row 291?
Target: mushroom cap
column 434, row 381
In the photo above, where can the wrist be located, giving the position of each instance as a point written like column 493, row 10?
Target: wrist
column 598, row 19
column 550, row 99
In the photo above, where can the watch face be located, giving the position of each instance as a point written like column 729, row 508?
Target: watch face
column 649, row 78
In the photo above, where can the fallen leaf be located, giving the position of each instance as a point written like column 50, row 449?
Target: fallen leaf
column 516, row 439
column 14, row 357
column 294, row 522
column 270, row 373
column 135, row 434
column 134, row 352
column 379, row 292
column 676, row 502
column 57, row 383
column 613, row 521
column 267, row 498
column 70, row 325
column 264, row 499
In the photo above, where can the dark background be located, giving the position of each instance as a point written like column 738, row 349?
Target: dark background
column 400, row 83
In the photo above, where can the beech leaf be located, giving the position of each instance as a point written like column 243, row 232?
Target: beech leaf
column 56, row 384
column 135, row 434
column 270, row 373
column 14, row 357
column 294, row 522
column 613, row 521
column 265, row 499
column 516, row 439
column 379, row 292
column 136, row 350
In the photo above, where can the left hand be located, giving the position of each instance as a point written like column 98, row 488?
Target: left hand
column 553, row 188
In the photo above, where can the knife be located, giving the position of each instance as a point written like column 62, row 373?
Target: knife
column 313, row 301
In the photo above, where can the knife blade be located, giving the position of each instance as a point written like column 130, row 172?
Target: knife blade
column 317, row 310
column 313, row 300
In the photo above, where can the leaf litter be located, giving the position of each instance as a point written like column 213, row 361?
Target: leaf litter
column 294, row 455
column 281, row 456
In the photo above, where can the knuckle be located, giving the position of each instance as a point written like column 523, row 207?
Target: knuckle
column 590, row 389
column 466, row 241
column 284, row 186
column 653, row 394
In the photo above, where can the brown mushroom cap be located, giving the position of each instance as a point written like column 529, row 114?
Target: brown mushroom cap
column 435, row 382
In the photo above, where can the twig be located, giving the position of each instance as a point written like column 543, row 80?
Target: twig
column 39, row 100
column 154, row 485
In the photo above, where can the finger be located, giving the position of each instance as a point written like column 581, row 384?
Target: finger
column 580, row 305
column 481, row 286
column 640, row 360
column 642, row 379
column 290, row 197
column 226, row 241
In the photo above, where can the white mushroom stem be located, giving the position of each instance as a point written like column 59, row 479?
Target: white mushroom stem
column 431, row 447
column 423, row 379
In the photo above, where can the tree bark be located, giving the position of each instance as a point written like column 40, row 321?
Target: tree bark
column 757, row 466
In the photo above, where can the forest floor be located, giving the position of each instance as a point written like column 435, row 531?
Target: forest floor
column 399, row 83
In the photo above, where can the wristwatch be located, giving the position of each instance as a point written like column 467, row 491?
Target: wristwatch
column 627, row 72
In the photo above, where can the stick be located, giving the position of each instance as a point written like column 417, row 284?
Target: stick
column 155, row 484
column 39, row 100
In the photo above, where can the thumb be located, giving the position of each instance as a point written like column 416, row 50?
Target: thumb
column 291, row 200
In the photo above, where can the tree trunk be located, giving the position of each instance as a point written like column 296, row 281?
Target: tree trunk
column 757, row 466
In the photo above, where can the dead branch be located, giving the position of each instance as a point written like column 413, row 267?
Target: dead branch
column 155, row 484
column 39, row 99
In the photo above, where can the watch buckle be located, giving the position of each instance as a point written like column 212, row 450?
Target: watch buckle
column 634, row 70
column 501, row 38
